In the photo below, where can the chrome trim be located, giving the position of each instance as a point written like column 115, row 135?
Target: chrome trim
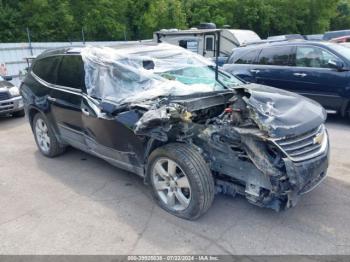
column 66, row 89
column 13, row 99
column 56, row 87
column 10, row 105
column 307, row 153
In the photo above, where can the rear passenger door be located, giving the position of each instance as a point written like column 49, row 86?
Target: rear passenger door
column 66, row 99
column 274, row 66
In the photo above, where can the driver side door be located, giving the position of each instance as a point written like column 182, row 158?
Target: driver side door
column 314, row 78
column 111, row 136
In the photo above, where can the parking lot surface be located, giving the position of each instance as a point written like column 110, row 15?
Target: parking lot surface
column 79, row 204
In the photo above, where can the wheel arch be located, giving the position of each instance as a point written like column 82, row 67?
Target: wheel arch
column 32, row 111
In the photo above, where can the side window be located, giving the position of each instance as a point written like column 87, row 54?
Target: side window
column 248, row 57
column 183, row 44
column 209, row 43
column 309, row 56
column 71, row 72
column 191, row 45
column 277, row 55
column 46, row 68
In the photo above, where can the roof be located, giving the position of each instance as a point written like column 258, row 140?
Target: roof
column 77, row 49
column 127, row 47
column 188, row 31
column 264, row 43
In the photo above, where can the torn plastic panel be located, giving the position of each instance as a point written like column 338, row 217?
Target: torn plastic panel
column 137, row 74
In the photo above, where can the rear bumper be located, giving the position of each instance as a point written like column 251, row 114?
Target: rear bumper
column 11, row 105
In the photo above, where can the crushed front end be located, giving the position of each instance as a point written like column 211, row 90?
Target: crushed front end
column 256, row 151
column 251, row 164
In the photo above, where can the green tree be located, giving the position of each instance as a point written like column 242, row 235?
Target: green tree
column 63, row 20
column 341, row 20
column 48, row 20
column 10, row 31
column 162, row 14
column 101, row 20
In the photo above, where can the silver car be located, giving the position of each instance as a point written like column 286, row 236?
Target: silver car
column 11, row 101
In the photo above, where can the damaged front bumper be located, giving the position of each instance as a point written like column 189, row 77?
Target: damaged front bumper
column 306, row 175
column 278, row 184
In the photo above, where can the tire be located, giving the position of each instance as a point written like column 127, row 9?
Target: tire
column 19, row 113
column 45, row 138
column 192, row 198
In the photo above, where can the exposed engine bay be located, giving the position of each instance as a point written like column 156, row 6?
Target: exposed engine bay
column 239, row 147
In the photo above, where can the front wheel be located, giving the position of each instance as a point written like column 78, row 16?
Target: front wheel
column 181, row 180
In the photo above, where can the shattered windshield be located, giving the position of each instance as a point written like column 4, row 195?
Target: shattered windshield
column 140, row 73
column 201, row 75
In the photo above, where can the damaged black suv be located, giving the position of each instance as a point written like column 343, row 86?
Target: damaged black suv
column 189, row 130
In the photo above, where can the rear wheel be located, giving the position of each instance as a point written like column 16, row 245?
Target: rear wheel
column 45, row 137
column 181, row 180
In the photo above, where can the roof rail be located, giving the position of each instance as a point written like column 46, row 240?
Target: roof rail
column 265, row 41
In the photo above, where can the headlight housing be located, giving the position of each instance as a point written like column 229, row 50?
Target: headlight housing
column 14, row 91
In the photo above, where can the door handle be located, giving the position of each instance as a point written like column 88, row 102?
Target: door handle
column 300, row 74
column 52, row 99
column 85, row 111
column 255, row 71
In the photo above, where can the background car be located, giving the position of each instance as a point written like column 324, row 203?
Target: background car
column 314, row 37
column 342, row 39
column 10, row 99
column 286, row 37
column 335, row 34
column 318, row 70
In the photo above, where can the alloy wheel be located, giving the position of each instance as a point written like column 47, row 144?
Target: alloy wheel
column 171, row 184
column 42, row 135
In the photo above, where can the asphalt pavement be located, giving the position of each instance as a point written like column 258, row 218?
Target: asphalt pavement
column 79, row 204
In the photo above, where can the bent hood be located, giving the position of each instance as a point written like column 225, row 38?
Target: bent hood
column 281, row 113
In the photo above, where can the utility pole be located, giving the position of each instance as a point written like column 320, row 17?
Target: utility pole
column 82, row 35
column 30, row 42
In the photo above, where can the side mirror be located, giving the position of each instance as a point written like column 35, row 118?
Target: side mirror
column 7, row 78
column 335, row 64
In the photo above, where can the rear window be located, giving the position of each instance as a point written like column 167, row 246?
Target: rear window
column 277, row 55
column 247, row 58
column 45, row 68
column 71, row 72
